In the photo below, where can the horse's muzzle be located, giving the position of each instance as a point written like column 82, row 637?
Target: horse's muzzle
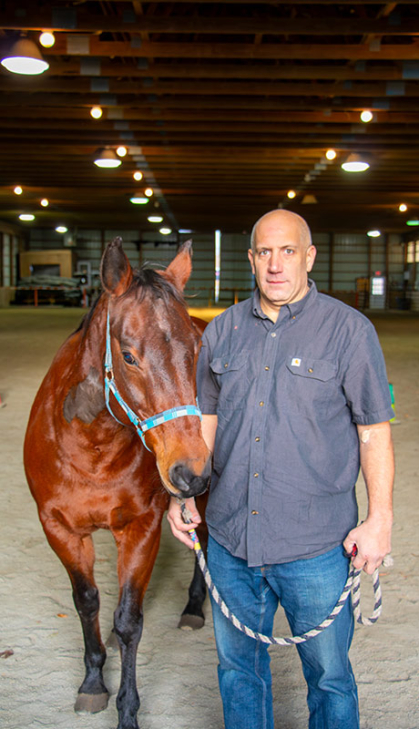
column 188, row 482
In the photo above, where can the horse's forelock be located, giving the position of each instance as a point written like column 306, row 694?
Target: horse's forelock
column 149, row 280
column 145, row 280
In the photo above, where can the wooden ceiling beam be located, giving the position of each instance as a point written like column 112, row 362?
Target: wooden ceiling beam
column 300, row 131
column 90, row 45
column 8, row 110
column 81, row 21
column 258, row 70
column 54, row 86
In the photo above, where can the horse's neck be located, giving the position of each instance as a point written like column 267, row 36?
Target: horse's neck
column 92, row 340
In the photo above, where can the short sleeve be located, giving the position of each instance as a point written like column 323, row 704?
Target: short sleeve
column 365, row 381
column 207, row 387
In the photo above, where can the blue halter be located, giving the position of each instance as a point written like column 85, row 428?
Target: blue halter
column 141, row 426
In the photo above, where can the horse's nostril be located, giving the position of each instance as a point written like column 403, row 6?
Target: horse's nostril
column 188, row 482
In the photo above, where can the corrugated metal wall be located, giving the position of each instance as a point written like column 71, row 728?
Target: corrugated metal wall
column 341, row 260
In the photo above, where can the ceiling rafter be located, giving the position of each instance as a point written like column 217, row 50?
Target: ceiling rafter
column 224, row 106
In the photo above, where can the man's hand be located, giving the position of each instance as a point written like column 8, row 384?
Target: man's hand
column 177, row 525
column 373, row 543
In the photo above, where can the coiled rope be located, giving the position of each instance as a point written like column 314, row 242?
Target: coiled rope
column 352, row 584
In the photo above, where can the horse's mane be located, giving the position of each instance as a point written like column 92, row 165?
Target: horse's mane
column 145, row 279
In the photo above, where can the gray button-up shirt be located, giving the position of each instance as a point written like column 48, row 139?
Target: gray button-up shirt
column 288, row 396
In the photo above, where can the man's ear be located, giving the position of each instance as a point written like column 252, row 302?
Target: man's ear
column 310, row 257
column 251, row 260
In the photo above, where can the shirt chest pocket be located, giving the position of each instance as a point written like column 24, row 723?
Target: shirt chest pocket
column 313, row 384
column 231, row 374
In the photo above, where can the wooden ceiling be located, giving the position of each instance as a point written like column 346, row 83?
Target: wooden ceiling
column 224, row 106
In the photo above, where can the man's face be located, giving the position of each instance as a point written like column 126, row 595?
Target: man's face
column 280, row 262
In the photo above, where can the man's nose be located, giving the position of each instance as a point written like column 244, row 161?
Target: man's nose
column 275, row 262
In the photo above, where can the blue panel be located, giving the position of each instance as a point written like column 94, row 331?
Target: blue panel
column 395, row 88
column 108, row 100
column 89, row 66
column 410, row 69
column 64, row 18
column 100, row 85
column 381, row 104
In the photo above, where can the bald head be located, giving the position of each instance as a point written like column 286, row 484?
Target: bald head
column 287, row 218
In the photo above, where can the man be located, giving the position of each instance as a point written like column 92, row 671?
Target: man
column 295, row 397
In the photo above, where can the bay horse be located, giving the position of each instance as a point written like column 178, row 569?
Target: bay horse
column 127, row 371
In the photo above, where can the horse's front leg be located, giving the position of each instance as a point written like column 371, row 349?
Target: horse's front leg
column 137, row 545
column 77, row 555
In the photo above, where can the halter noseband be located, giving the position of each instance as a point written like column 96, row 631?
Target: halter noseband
column 141, row 426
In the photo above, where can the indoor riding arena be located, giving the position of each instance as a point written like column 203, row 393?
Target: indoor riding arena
column 160, row 123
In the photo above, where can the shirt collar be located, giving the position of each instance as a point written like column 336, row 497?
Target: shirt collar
column 293, row 309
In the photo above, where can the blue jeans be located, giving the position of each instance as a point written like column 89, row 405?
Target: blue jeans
column 307, row 589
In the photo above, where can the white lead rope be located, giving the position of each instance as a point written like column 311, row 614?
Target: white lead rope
column 353, row 583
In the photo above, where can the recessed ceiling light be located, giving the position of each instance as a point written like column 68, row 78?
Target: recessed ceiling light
column 26, row 217
column 413, row 222
column 291, row 194
column 121, row 151
column 330, row 154
column 44, row 202
column 96, row 112
column 47, row 39
column 402, row 207
column 149, row 192
column 18, row 190
column 374, row 233
column 138, row 175
column 137, row 200
column 366, row 116
column 165, row 231
column 61, row 229
column 155, row 218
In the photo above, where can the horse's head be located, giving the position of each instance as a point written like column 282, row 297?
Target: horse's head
column 153, row 347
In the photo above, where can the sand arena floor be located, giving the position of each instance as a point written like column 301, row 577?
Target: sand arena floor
column 40, row 637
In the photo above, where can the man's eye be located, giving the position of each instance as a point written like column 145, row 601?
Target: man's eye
column 263, row 253
column 128, row 358
column 289, row 251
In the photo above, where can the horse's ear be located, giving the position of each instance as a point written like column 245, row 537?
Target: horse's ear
column 180, row 269
column 115, row 269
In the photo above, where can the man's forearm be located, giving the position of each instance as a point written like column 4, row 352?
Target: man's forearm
column 372, row 538
column 377, row 465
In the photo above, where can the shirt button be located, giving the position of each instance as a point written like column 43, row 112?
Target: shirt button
column 310, row 369
column 257, row 439
column 267, row 368
column 261, row 403
column 273, row 334
column 293, row 317
column 254, row 512
column 256, row 475
column 226, row 365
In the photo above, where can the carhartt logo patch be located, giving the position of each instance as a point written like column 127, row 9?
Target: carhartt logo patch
column 296, row 362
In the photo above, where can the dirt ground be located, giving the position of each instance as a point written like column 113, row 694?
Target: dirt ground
column 41, row 661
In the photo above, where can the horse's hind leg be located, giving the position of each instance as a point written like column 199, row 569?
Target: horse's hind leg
column 77, row 556
column 193, row 617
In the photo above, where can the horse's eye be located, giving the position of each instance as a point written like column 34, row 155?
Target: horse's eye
column 129, row 359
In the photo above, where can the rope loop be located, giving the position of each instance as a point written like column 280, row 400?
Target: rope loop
column 352, row 584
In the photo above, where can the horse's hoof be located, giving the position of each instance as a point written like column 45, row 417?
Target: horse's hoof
column 91, row 703
column 191, row 622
